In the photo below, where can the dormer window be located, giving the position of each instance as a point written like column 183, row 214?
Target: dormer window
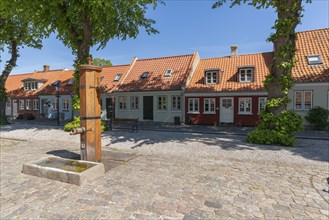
column 117, row 78
column 211, row 76
column 314, row 60
column 144, row 75
column 30, row 85
column 245, row 74
column 168, row 73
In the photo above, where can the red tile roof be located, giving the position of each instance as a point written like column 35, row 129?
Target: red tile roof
column 314, row 42
column 14, row 84
column 109, row 74
column 228, row 76
column 156, row 79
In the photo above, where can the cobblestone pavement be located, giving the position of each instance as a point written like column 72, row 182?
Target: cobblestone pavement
column 174, row 176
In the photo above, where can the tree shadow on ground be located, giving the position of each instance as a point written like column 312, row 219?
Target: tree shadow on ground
column 65, row 154
column 309, row 149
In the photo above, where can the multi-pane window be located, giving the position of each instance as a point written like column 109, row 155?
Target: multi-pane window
column 209, row 105
column 122, row 102
column 55, row 103
column 117, row 78
column 261, row 103
column 176, row 103
column 30, row 85
column 193, row 105
column 134, row 103
column 66, row 104
column 28, row 104
column 245, row 75
column 244, row 105
column 8, row 104
column 21, row 105
column 211, row 77
column 35, row 104
column 162, row 102
column 303, row 100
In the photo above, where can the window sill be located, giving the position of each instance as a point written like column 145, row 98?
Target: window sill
column 209, row 113
column 159, row 110
column 245, row 113
column 176, row 110
column 193, row 112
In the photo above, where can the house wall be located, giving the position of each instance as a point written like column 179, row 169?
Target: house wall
column 25, row 111
column 51, row 113
column 320, row 96
column 201, row 118
column 158, row 115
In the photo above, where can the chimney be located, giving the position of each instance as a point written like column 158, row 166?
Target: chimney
column 46, row 68
column 234, row 50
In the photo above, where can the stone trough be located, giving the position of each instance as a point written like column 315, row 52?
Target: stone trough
column 76, row 172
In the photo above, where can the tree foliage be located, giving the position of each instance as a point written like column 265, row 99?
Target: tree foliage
column 16, row 31
column 101, row 62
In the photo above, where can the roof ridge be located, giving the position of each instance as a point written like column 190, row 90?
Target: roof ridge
column 20, row 74
column 313, row 30
column 158, row 58
column 248, row 54
column 115, row 66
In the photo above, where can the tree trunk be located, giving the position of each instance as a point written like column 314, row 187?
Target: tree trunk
column 3, row 78
column 289, row 14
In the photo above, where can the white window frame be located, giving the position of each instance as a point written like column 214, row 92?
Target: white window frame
column 21, row 104
column 244, row 100
column 195, row 108
column 303, row 93
column 134, row 103
column 176, row 103
column 311, row 61
column 35, row 104
column 66, row 104
column 261, row 100
column 8, row 104
column 117, row 77
column 211, row 102
column 211, row 77
column 55, row 103
column 244, row 71
column 162, row 103
column 122, row 103
column 168, row 73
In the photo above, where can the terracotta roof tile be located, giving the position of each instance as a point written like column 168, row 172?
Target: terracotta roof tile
column 229, row 73
column 109, row 74
column 314, row 42
column 156, row 79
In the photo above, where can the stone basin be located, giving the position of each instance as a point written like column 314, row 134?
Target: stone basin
column 76, row 172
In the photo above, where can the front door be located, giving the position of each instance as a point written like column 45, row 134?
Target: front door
column 148, row 107
column 226, row 110
column 14, row 107
column 110, row 113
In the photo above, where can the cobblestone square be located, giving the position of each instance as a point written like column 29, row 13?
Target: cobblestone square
column 173, row 176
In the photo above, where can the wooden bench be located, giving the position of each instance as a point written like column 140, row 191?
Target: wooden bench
column 132, row 122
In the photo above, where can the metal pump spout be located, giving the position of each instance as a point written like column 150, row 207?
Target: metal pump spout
column 75, row 131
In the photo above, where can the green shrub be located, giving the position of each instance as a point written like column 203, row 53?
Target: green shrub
column 279, row 129
column 2, row 121
column 318, row 117
column 76, row 124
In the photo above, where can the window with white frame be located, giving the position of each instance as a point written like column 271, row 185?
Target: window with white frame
column 245, row 74
column 55, row 103
column 303, row 100
column 8, row 104
column 162, row 103
column 176, row 103
column 66, row 104
column 261, row 103
column 211, row 77
column 117, row 77
column 122, row 103
column 35, row 104
column 209, row 105
column 314, row 60
column 168, row 73
column 21, row 105
column 31, row 85
column 245, row 106
column 134, row 103
column 193, row 105
column 28, row 104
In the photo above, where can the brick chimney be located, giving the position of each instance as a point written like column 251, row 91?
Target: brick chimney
column 46, row 68
column 234, row 50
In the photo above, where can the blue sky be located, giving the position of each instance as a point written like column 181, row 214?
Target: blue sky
column 185, row 27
